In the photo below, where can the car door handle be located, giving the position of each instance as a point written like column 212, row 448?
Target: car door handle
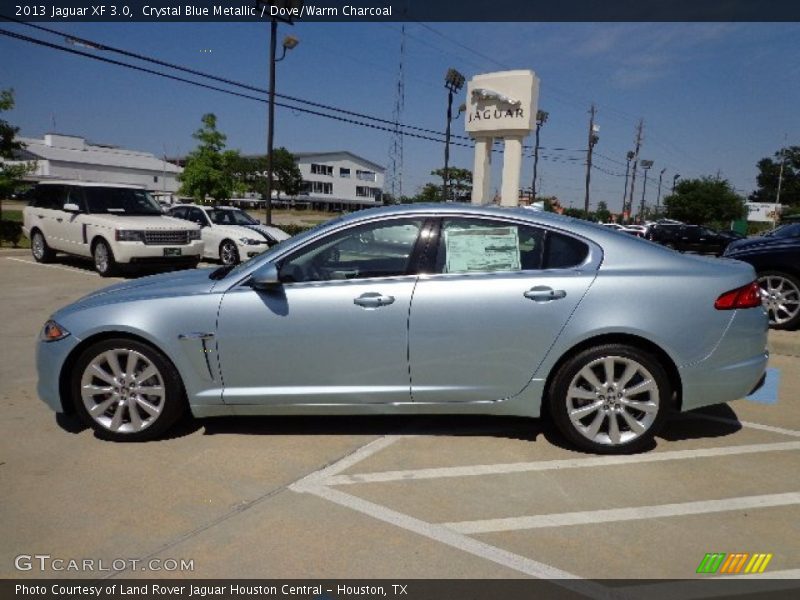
column 40, row 216
column 373, row 300
column 59, row 219
column 544, row 294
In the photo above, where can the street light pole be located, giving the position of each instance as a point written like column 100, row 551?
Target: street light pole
column 288, row 43
column 541, row 119
column 658, row 198
column 674, row 180
column 593, row 139
column 453, row 81
column 645, row 165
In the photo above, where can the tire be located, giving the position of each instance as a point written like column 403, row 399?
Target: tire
column 41, row 251
column 228, row 253
column 104, row 262
column 780, row 293
column 585, row 413
column 129, row 415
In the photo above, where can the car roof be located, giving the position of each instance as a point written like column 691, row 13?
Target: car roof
column 201, row 207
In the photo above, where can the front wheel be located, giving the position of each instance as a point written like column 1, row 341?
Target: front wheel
column 780, row 294
column 228, row 254
column 104, row 262
column 611, row 399
column 126, row 390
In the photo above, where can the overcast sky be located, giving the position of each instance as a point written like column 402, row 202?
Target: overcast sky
column 714, row 97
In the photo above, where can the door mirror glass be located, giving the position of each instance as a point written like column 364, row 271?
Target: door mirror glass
column 265, row 277
column 71, row 207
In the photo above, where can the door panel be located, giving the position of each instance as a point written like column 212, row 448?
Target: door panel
column 334, row 342
column 480, row 337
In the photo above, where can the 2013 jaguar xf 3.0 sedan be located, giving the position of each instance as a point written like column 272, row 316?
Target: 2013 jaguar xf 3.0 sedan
column 419, row 309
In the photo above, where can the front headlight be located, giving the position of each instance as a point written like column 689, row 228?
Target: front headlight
column 194, row 234
column 129, row 235
column 251, row 241
column 52, row 332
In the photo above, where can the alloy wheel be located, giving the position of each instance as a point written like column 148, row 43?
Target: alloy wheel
column 101, row 257
column 781, row 298
column 613, row 400
column 122, row 391
column 37, row 246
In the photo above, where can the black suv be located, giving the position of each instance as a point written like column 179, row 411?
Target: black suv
column 692, row 238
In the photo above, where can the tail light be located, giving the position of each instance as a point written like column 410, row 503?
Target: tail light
column 748, row 296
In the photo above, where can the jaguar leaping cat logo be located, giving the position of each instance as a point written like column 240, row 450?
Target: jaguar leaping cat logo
column 487, row 94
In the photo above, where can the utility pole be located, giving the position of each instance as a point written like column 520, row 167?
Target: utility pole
column 639, row 129
column 658, row 198
column 629, row 157
column 675, row 180
column 780, row 184
column 645, row 165
column 593, row 139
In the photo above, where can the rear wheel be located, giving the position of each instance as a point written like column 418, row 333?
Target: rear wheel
column 228, row 254
column 104, row 262
column 41, row 251
column 126, row 390
column 780, row 293
column 610, row 399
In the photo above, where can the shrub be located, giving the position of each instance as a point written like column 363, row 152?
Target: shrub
column 11, row 231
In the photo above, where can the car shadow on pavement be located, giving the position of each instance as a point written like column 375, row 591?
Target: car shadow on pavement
column 686, row 426
column 517, row 428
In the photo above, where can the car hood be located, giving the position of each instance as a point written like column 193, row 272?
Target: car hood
column 270, row 232
column 150, row 222
column 237, row 231
column 180, row 283
column 762, row 243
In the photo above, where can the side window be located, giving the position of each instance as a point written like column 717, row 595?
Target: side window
column 50, row 196
column 178, row 213
column 380, row 249
column 481, row 245
column 563, row 251
column 196, row 216
column 75, row 196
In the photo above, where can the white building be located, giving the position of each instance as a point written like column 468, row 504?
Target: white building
column 71, row 157
column 339, row 180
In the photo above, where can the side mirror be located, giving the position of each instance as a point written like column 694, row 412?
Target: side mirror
column 265, row 277
column 72, row 207
column 258, row 221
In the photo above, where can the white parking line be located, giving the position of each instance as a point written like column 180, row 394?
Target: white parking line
column 590, row 517
column 748, row 424
column 461, row 542
column 61, row 267
column 550, row 465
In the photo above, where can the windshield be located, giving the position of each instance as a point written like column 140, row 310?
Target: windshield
column 789, row 230
column 230, row 217
column 120, row 201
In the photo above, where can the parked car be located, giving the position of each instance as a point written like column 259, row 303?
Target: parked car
column 114, row 225
column 514, row 312
column 689, row 238
column 776, row 259
column 229, row 233
column 637, row 230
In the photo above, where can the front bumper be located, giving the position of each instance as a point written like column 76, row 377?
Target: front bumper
column 251, row 250
column 137, row 252
column 50, row 358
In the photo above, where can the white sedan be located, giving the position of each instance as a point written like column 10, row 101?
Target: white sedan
column 230, row 235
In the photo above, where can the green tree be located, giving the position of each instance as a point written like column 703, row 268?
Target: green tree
column 576, row 213
column 209, row 168
column 429, row 193
column 251, row 173
column 769, row 173
column 10, row 174
column 704, row 201
column 602, row 214
column 459, row 182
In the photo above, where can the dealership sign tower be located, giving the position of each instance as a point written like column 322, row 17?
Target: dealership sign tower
column 501, row 105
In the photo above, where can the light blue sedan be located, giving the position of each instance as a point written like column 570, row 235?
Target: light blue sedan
column 419, row 309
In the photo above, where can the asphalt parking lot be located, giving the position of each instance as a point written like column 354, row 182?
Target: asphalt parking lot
column 377, row 497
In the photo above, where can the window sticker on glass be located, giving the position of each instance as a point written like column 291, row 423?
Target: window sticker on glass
column 482, row 249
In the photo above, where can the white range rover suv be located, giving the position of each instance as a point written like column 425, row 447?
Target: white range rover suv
column 115, row 225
